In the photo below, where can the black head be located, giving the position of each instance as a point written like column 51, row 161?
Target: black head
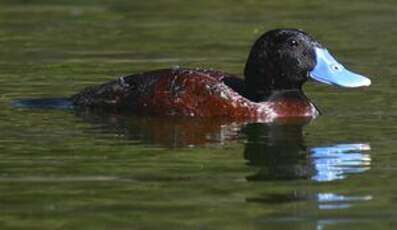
column 279, row 60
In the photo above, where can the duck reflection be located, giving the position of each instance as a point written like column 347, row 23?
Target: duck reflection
column 277, row 149
column 164, row 131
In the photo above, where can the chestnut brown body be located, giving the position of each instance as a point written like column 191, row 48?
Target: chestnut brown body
column 187, row 93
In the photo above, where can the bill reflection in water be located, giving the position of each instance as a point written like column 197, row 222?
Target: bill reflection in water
column 279, row 152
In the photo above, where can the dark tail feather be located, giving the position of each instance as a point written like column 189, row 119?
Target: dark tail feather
column 44, row 103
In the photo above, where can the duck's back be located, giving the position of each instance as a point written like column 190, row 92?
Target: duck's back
column 180, row 92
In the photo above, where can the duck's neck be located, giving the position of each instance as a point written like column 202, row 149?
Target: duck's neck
column 265, row 77
column 265, row 88
column 297, row 94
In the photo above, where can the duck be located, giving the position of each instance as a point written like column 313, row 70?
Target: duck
column 279, row 63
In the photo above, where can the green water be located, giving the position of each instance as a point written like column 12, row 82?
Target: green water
column 61, row 170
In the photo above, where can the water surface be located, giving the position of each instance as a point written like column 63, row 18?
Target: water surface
column 61, row 169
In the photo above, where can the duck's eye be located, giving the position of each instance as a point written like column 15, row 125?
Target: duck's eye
column 293, row 43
